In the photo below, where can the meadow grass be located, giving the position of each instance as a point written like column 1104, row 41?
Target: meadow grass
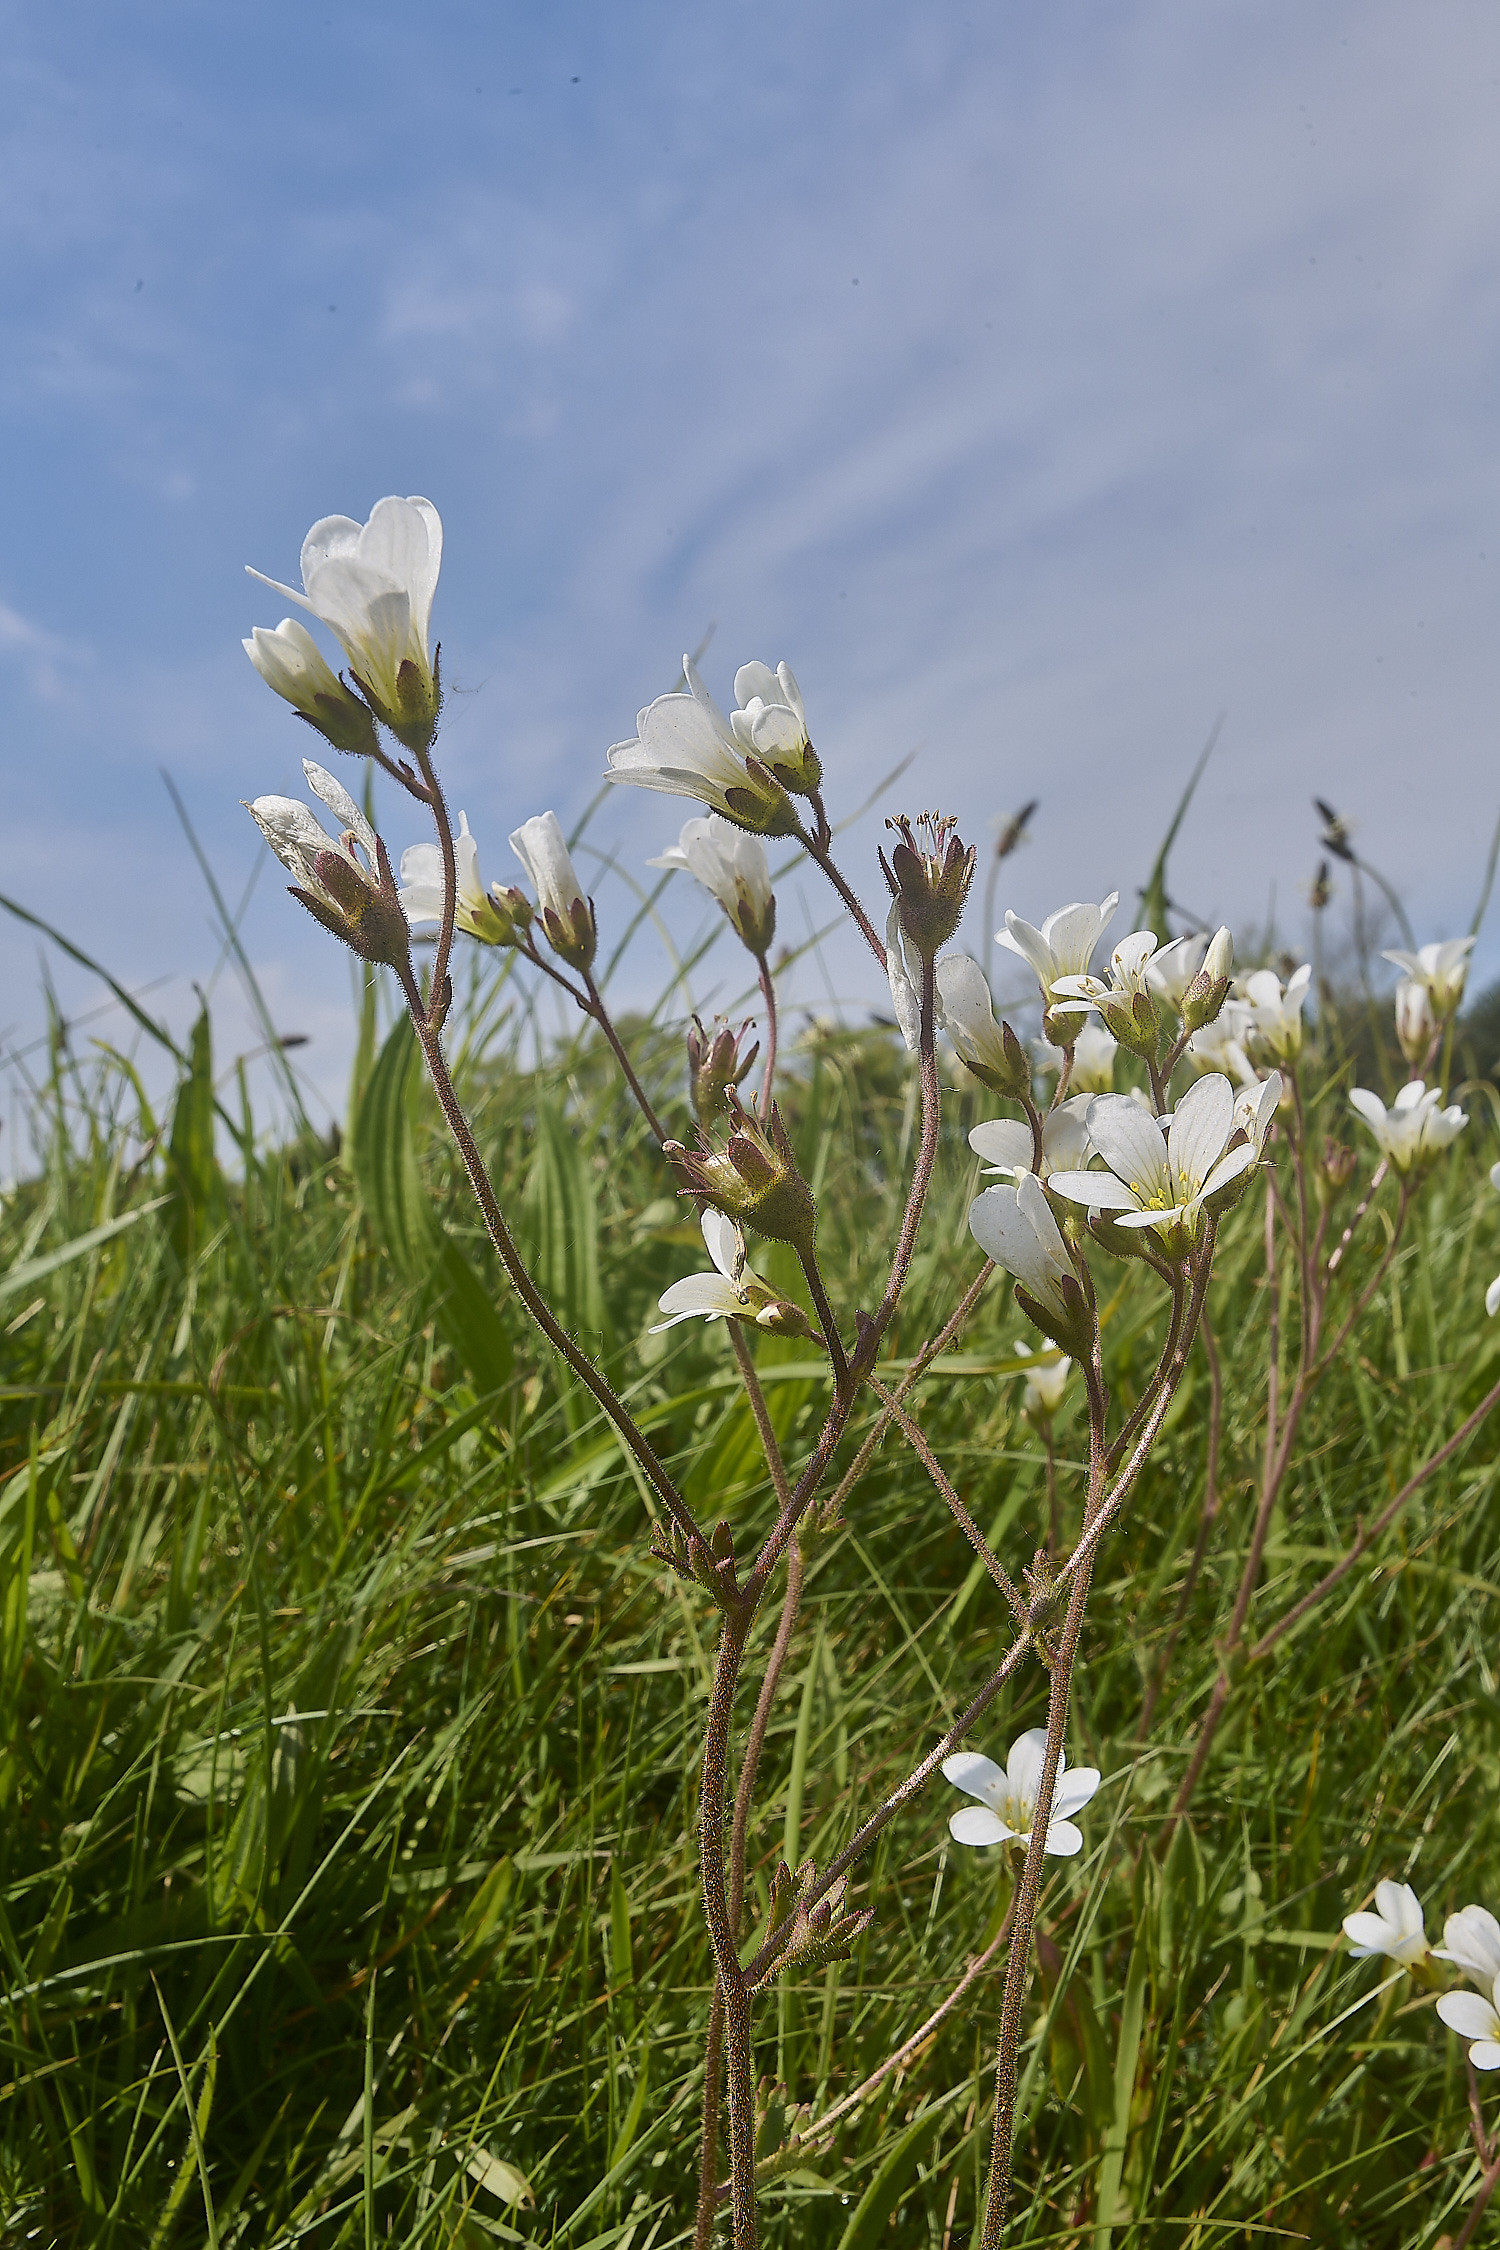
column 348, row 1732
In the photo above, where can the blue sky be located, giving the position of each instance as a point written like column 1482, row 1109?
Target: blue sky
column 1040, row 383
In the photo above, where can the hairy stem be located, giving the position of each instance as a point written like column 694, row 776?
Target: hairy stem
column 816, row 847
column 960, row 1513
column 768, row 994
column 601, row 1016
column 738, row 2026
column 911, row 1217
column 918, row 1368
column 510, row 1258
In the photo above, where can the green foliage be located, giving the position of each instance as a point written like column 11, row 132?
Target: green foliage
column 347, row 1728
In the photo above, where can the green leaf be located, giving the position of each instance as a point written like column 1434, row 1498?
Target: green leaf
column 36, row 1269
column 191, row 1161
column 383, row 1156
column 562, row 1224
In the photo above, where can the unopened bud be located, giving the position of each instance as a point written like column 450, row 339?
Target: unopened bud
column 1336, row 1166
column 1416, row 1025
column 753, row 1180
column 1132, row 1019
column 716, row 1065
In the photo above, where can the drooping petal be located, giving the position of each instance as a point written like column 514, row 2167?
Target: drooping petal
column 1100, row 1191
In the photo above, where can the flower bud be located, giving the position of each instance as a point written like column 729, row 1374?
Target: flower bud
column 1131, row 1018
column 715, row 1065
column 565, row 914
column 929, row 885
column 1416, row 1025
column 290, row 661
column 1335, row 1168
column 1206, row 995
column 753, row 1180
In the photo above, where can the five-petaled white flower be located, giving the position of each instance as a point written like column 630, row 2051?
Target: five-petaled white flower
column 1476, row 2019
column 495, row 916
column 1063, row 946
column 372, row 585
column 686, row 747
column 1471, row 1940
column 1395, row 1928
column 1006, row 1144
column 732, row 1291
column 1015, row 1227
column 1275, row 1025
column 1414, row 1131
column 1443, row 968
column 565, row 914
column 1006, row 1810
column 731, row 865
column 1163, row 1179
column 290, row 661
column 1046, row 1383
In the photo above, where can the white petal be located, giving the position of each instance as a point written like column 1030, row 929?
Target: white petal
column 1469, row 2015
column 1075, row 1786
column 1131, row 1143
column 1202, row 1123
column 976, row 1775
column 1004, row 1142
column 707, row 1296
column 1024, row 1765
column 976, row 1824
column 1064, row 1841
column 1485, row 2055
column 1400, row 1905
column 726, row 1245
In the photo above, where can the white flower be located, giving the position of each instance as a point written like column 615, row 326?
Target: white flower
column 1220, row 1045
column 1415, row 1022
column 1492, row 1294
column 1413, row 1132
column 1395, row 1928
column 1442, row 968
column 731, row 1292
column 1046, row 1381
column 771, row 725
column 349, row 895
column 290, row 661
column 966, row 1013
column 1015, row 1227
column 372, row 585
column 731, row 865
column 566, row 915
column 494, row 916
column 1471, row 1940
column 686, row 747
column 1064, row 945
column 1007, row 1800
column 1161, row 1179
column 1476, row 2020
column 1005, row 1143
column 1276, row 1011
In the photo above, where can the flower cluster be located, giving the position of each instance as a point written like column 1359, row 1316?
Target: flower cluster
column 1471, row 1941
